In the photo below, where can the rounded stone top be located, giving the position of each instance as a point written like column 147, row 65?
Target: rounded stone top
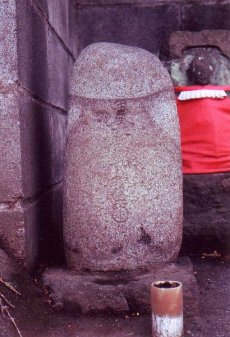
column 115, row 71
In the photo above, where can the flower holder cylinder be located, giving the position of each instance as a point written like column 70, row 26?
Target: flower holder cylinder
column 167, row 309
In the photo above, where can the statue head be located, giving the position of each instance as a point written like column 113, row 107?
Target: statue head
column 201, row 69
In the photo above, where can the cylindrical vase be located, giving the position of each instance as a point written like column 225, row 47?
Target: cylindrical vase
column 167, row 309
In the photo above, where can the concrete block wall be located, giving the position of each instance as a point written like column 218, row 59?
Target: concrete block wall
column 12, row 229
column 47, row 47
column 39, row 46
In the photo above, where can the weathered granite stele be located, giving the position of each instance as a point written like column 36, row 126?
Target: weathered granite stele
column 123, row 180
column 123, row 184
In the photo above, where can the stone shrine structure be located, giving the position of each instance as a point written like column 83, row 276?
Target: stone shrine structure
column 40, row 41
column 183, row 47
column 123, row 181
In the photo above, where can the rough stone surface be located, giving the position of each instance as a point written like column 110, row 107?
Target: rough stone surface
column 206, row 213
column 123, row 181
column 62, row 17
column 10, row 163
column 7, row 266
column 59, row 65
column 11, row 217
column 8, row 46
column 146, row 23
column 117, row 292
column 201, row 15
column 42, row 144
column 43, row 217
column 44, row 67
column 115, row 72
column 179, row 66
column 12, row 229
column 40, row 37
column 217, row 38
column 145, row 26
column 11, row 185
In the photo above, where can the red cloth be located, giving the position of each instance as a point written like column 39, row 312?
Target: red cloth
column 205, row 132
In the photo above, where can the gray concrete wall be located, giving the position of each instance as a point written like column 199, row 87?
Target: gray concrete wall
column 38, row 50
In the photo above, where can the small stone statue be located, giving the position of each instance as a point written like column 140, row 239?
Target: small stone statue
column 204, row 113
column 207, row 51
column 199, row 64
column 201, row 69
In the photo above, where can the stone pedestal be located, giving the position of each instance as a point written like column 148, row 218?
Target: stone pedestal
column 118, row 292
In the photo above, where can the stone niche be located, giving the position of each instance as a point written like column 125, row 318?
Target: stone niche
column 123, row 183
column 184, row 46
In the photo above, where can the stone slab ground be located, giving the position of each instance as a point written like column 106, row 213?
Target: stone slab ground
column 37, row 318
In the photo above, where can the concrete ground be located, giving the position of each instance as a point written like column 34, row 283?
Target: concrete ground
column 36, row 317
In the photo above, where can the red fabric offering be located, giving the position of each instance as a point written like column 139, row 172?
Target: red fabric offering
column 205, row 131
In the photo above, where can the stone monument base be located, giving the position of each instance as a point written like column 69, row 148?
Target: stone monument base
column 118, row 292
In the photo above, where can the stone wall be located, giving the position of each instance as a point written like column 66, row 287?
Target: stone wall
column 47, row 46
column 37, row 54
column 147, row 23
column 12, row 229
column 206, row 213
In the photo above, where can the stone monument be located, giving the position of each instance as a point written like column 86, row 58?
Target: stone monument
column 123, row 181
